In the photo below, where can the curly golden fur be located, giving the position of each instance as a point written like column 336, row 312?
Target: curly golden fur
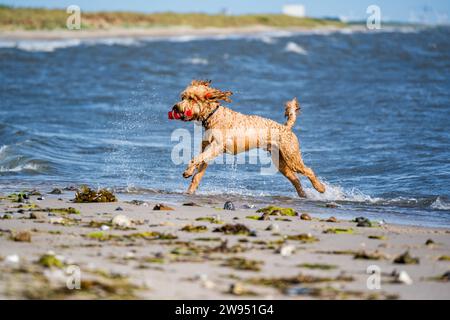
column 228, row 131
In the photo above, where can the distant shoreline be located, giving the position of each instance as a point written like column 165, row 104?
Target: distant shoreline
column 157, row 32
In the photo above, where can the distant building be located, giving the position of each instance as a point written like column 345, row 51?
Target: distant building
column 294, row 10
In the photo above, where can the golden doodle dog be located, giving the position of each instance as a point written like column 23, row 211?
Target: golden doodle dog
column 228, row 131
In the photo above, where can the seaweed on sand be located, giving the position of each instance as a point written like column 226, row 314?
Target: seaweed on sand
column 192, row 228
column 146, row 235
column 377, row 237
column 18, row 197
column 50, row 261
column 406, row 258
column 283, row 283
column 151, row 235
column 243, row 264
column 189, row 249
column 236, row 229
column 86, row 194
column 363, row 255
column 68, row 210
column 317, row 266
column 213, row 220
column 278, row 211
column 101, row 236
column 303, row 237
column 339, row 231
column 99, row 224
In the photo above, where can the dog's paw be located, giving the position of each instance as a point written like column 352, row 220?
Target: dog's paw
column 188, row 172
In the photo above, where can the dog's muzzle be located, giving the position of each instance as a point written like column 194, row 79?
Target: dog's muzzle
column 175, row 115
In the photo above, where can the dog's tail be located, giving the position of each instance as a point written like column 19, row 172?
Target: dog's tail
column 292, row 107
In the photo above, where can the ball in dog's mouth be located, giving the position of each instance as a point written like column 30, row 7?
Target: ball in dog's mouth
column 175, row 115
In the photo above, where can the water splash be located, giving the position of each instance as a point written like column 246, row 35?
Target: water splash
column 196, row 61
column 440, row 204
column 295, row 48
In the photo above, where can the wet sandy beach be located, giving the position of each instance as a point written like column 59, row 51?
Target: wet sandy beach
column 129, row 250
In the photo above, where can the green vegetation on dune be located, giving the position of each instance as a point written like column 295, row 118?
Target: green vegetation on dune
column 49, row 19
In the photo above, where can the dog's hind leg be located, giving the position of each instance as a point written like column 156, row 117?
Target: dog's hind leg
column 197, row 178
column 292, row 177
column 312, row 177
column 289, row 174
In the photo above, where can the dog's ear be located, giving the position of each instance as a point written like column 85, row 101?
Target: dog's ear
column 201, row 83
column 216, row 94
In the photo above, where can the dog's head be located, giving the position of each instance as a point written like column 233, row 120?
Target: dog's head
column 198, row 100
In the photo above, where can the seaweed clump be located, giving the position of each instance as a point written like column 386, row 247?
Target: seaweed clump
column 317, row 266
column 285, row 282
column 339, row 231
column 278, row 211
column 236, row 229
column 406, row 258
column 192, row 228
column 86, row 194
column 304, row 237
column 68, row 210
column 49, row 260
column 363, row 255
column 243, row 264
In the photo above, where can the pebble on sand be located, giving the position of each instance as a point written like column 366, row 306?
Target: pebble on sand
column 331, row 219
column 162, row 207
column 121, row 221
column 22, row 236
column 56, row 191
column 402, row 277
column 273, row 227
column 229, row 206
column 286, row 250
column 305, row 216
column 38, row 215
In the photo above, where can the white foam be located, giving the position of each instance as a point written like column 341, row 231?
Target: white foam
column 439, row 204
column 46, row 46
column 7, row 44
column 22, row 167
column 114, row 42
column 197, row 61
column 337, row 193
column 295, row 48
column 267, row 40
column 2, row 150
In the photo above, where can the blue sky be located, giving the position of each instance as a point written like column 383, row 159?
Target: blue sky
column 398, row 10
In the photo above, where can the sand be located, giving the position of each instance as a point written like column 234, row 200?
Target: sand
column 156, row 32
column 130, row 263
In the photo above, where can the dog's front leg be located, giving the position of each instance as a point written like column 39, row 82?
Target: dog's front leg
column 211, row 151
column 197, row 178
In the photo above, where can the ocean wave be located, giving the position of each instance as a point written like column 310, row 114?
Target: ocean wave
column 23, row 167
column 267, row 40
column 295, row 48
column 440, row 204
column 114, row 42
column 196, row 61
column 46, row 46
column 3, row 151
